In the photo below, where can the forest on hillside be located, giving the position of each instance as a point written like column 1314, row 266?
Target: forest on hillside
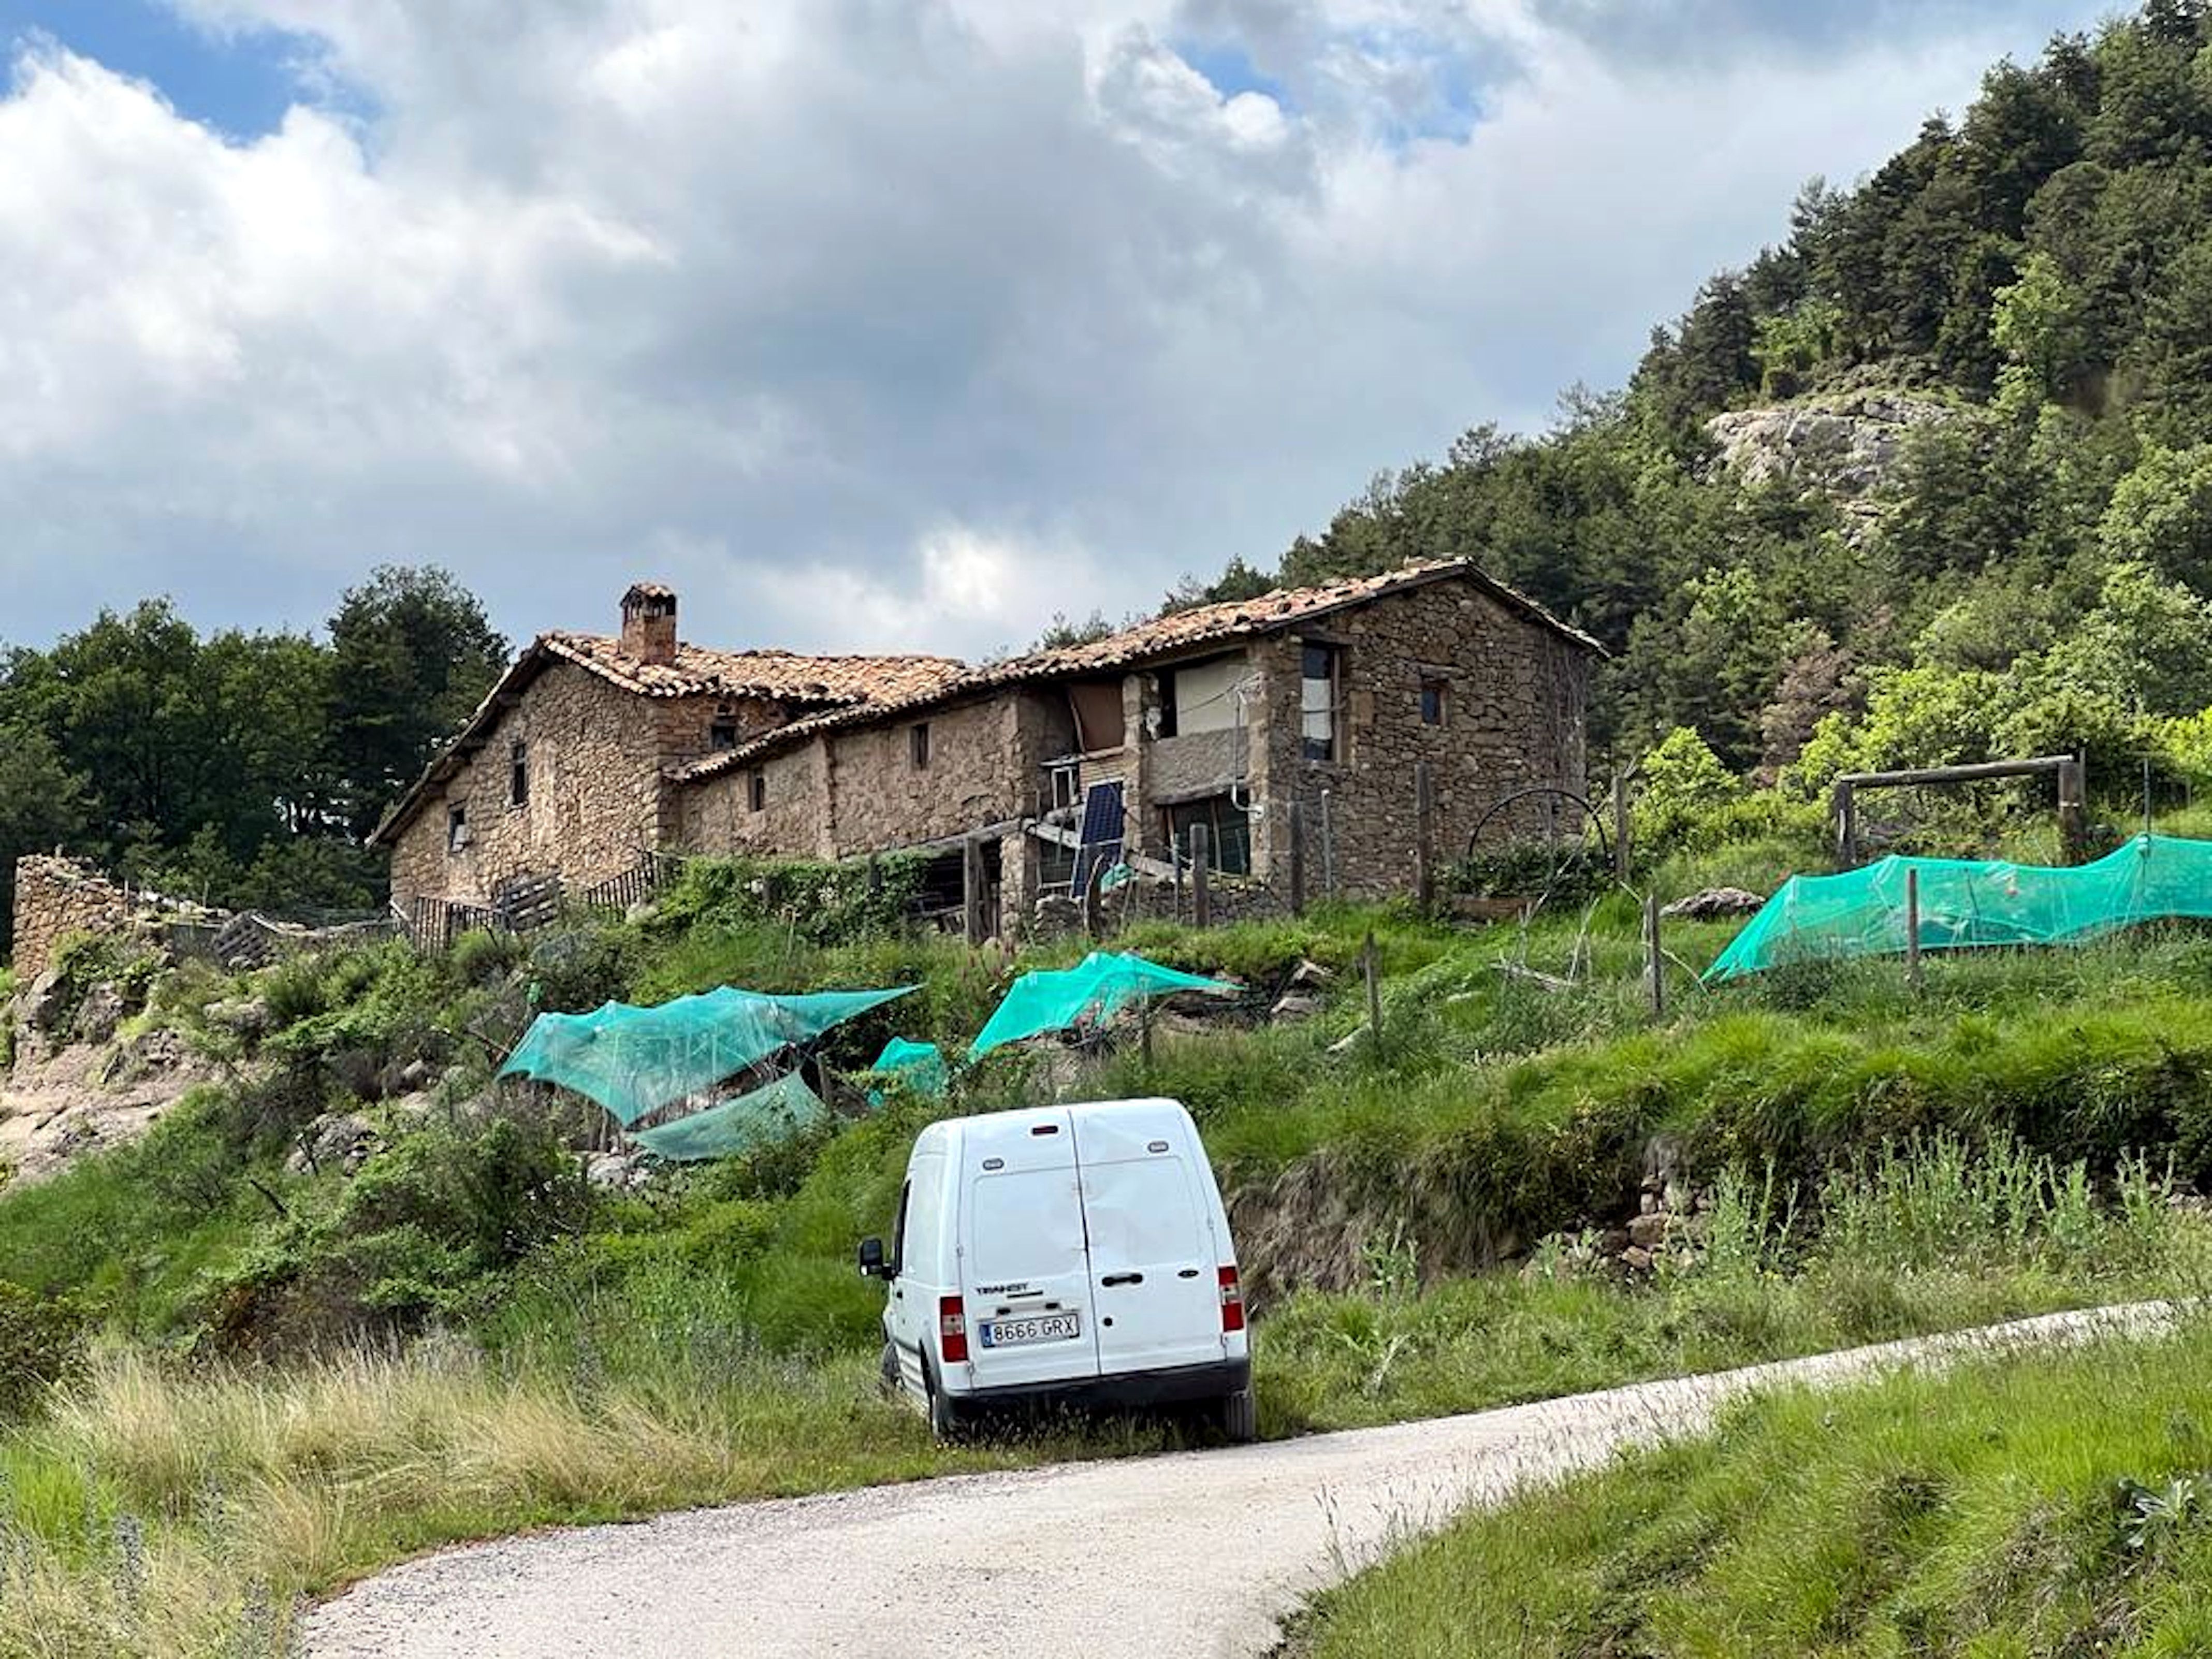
column 2040, row 270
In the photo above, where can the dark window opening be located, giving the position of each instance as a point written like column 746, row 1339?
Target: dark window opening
column 722, row 734
column 898, row 1231
column 1228, row 833
column 1320, row 676
column 517, row 775
column 1167, row 726
column 918, row 743
column 1435, row 702
column 757, row 791
column 1055, row 866
column 457, row 828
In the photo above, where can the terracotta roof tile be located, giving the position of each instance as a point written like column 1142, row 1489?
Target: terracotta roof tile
column 1163, row 636
column 786, row 675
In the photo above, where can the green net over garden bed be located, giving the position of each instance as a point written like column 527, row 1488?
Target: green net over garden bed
column 1966, row 904
column 1104, row 983
column 635, row 1061
column 919, row 1065
column 775, row 1112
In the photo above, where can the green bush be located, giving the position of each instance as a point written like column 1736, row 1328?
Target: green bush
column 820, row 904
column 42, row 1341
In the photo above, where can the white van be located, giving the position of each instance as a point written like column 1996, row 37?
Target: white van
column 1075, row 1254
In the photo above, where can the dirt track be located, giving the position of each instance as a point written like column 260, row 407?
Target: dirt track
column 1198, row 1553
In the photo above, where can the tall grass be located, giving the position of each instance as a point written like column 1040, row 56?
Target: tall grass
column 162, row 1511
column 2031, row 1504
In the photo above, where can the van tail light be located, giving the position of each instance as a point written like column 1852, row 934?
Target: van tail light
column 1232, row 1301
column 952, row 1328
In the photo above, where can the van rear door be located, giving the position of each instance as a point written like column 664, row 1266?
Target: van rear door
column 1154, row 1261
column 1022, row 1267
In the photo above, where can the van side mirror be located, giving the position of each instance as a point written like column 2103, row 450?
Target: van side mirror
column 872, row 1259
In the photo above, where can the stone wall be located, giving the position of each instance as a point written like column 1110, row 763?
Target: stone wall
column 1514, row 701
column 55, row 897
column 597, row 803
column 792, row 819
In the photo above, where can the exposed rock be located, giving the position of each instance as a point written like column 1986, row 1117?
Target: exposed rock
column 615, row 1172
column 61, row 1101
column 1309, row 976
column 1848, row 446
column 1649, row 1231
column 245, row 1016
column 1294, row 1005
column 99, row 1013
column 45, row 1002
column 1635, row 1257
column 340, row 1141
column 1715, row 904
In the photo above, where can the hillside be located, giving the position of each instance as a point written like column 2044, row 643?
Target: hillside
column 400, row 1308
column 2018, row 557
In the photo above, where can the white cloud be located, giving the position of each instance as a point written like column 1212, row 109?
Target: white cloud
column 866, row 324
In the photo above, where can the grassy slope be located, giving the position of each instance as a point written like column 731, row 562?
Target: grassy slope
column 1980, row 1512
column 711, row 1342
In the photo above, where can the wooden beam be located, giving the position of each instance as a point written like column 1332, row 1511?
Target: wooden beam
column 1060, row 835
column 1978, row 770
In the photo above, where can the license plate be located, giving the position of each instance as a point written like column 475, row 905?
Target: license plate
column 1036, row 1327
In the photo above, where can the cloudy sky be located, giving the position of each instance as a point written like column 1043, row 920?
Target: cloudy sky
column 863, row 322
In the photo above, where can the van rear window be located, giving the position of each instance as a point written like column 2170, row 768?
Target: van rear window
column 1025, row 1225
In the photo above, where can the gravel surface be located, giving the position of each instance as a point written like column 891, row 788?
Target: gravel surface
column 1196, row 1553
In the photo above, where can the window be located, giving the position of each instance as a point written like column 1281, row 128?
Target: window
column 917, row 740
column 1228, row 833
column 898, row 1231
column 1435, row 699
column 457, row 828
column 518, row 775
column 1166, row 727
column 722, row 732
column 1317, row 701
column 755, row 791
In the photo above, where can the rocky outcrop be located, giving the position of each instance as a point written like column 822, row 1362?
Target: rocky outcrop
column 1848, row 446
column 60, row 1101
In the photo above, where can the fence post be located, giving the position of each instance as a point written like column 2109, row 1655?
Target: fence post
column 971, row 889
column 1912, row 929
column 1655, row 964
column 2072, row 812
column 1094, row 906
column 1202, row 901
column 1327, row 846
column 1298, row 835
column 1621, row 824
column 1847, row 827
column 1424, row 873
column 1371, row 969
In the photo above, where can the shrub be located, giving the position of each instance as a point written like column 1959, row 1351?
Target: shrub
column 42, row 1341
column 820, row 904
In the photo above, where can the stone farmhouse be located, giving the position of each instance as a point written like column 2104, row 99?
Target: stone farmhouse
column 593, row 754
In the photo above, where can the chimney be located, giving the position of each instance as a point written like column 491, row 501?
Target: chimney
column 648, row 630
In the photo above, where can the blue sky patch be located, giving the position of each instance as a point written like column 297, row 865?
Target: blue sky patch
column 239, row 84
column 1231, row 68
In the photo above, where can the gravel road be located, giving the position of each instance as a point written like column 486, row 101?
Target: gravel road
column 1197, row 1554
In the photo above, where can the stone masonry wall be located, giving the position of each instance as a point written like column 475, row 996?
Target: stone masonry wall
column 983, row 769
column 1514, row 694
column 55, row 897
column 596, row 802
column 793, row 819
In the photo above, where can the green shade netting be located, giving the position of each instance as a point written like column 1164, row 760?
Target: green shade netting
column 919, row 1065
column 635, row 1061
column 781, row 1110
column 1104, row 984
column 1967, row 903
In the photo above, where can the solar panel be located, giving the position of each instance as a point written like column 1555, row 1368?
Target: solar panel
column 1101, row 839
